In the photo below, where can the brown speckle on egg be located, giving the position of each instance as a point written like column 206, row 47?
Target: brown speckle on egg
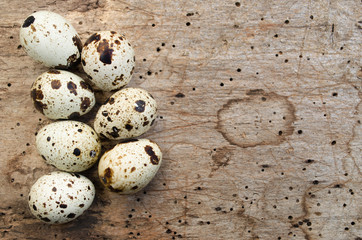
column 105, row 52
column 94, row 38
column 128, row 163
column 63, row 205
column 151, row 153
column 72, row 88
column 28, row 21
column 76, row 152
column 85, row 103
column 140, row 106
column 78, row 43
column 56, row 84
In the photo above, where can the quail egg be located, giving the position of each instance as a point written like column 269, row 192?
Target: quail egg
column 130, row 166
column 128, row 113
column 108, row 59
column 70, row 146
column 51, row 40
column 60, row 197
column 59, row 94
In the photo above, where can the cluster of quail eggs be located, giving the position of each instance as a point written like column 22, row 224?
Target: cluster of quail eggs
column 72, row 146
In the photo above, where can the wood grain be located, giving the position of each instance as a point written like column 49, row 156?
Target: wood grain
column 264, row 141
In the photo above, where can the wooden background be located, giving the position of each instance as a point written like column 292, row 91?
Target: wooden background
column 259, row 120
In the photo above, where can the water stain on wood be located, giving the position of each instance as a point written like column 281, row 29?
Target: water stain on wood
column 256, row 119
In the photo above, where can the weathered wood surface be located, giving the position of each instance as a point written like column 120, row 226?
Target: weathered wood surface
column 263, row 143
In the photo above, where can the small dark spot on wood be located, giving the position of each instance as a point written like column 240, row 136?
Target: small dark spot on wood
column 217, row 209
column 180, row 95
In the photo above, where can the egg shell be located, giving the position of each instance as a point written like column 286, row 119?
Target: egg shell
column 70, row 146
column 60, row 197
column 108, row 59
column 130, row 166
column 59, row 94
column 128, row 113
column 51, row 40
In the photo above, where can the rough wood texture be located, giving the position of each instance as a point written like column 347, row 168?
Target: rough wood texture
column 263, row 143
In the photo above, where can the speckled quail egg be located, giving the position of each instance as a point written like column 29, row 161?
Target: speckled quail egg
column 130, row 166
column 68, row 145
column 108, row 59
column 50, row 39
column 59, row 94
column 60, row 197
column 128, row 113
